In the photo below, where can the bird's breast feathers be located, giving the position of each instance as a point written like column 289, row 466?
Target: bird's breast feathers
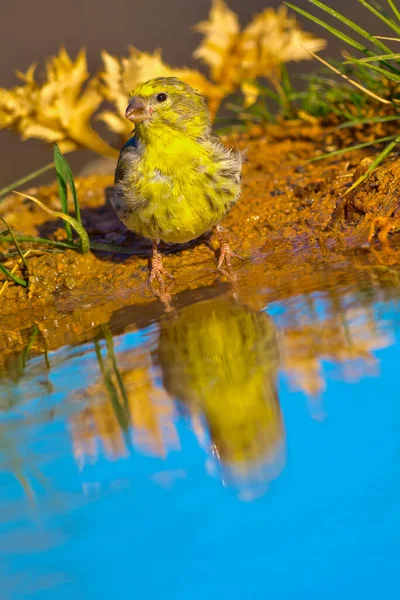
column 176, row 191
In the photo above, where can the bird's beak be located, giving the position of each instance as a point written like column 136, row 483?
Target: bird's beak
column 136, row 110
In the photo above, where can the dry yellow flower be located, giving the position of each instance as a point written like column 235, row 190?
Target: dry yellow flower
column 219, row 47
column 59, row 110
column 236, row 58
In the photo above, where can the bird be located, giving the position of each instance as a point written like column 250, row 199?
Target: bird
column 174, row 179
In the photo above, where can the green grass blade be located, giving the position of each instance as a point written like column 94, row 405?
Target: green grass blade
column 7, row 272
column 10, row 231
column 13, row 277
column 378, row 58
column 342, row 36
column 110, row 248
column 367, row 121
column 67, row 245
column 62, row 188
column 351, row 24
column 351, row 148
column 394, row 9
column 287, row 89
column 389, row 22
column 352, row 81
column 25, row 179
column 80, row 230
column 266, row 91
column 39, row 240
column 63, row 163
column 388, row 74
column 385, row 152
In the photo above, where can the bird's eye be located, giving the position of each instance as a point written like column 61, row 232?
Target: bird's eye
column 161, row 97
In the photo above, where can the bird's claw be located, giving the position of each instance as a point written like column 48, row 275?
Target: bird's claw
column 157, row 269
column 158, row 274
column 225, row 261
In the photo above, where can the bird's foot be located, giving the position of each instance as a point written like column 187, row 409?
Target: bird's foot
column 157, row 276
column 225, row 261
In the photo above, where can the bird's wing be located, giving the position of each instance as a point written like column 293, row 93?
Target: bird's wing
column 123, row 196
column 127, row 158
column 231, row 159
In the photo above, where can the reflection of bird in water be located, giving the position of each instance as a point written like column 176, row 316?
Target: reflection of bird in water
column 221, row 360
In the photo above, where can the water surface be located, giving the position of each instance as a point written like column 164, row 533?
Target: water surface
column 246, row 445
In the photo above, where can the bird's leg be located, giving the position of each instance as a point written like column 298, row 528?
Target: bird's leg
column 225, row 256
column 157, row 273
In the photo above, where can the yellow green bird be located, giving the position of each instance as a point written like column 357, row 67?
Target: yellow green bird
column 174, row 179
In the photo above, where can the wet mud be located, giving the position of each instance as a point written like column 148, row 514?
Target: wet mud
column 292, row 226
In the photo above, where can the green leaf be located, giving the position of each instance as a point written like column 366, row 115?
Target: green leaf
column 62, row 163
column 62, row 187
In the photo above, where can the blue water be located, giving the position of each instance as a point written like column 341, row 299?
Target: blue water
column 179, row 510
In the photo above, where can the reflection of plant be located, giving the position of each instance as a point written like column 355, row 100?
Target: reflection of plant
column 347, row 335
column 60, row 109
column 12, row 458
column 125, row 397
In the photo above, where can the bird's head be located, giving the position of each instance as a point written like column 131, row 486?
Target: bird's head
column 168, row 102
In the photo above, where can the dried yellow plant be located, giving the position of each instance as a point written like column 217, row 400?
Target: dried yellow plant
column 60, row 109
column 236, row 58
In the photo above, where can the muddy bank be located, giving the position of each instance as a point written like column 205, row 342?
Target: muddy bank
column 292, row 219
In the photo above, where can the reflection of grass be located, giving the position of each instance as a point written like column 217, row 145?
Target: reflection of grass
column 16, row 461
column 113, row 381
column 21, row 363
